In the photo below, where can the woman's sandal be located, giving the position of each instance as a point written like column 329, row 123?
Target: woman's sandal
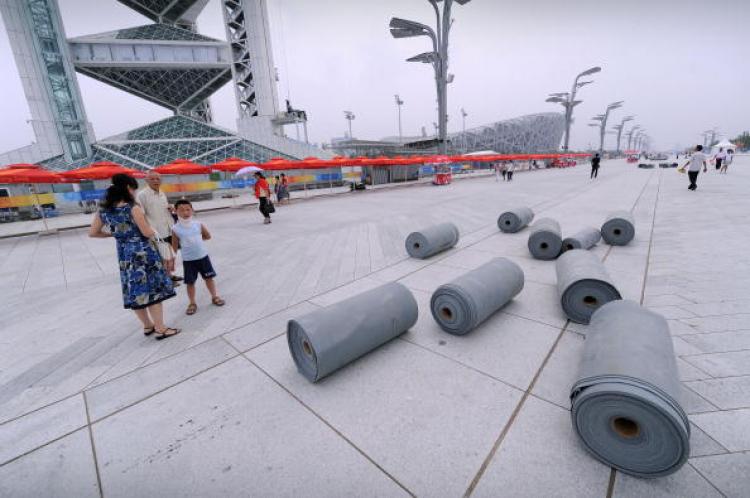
column 148, row 331
column 168, row 332
column 217, row 301
column 191, row 309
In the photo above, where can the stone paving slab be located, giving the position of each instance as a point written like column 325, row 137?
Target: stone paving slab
column 427, row 414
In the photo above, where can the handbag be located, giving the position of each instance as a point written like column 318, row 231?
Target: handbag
column 270, row 208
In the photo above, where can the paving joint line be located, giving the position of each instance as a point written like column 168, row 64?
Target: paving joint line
column 330, row 426
column 93, row 446
column 706, row 479
column 513, row 416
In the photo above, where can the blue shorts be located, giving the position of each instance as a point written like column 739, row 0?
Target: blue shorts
column 191, row 270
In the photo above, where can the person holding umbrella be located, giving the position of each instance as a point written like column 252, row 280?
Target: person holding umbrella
column 263, row 194
column 144, row 280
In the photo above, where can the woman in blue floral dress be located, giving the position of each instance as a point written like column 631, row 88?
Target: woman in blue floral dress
column 145, row 283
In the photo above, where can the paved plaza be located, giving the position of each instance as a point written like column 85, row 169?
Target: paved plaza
column 91, row 407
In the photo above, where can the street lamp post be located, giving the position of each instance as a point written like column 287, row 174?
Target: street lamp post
column 463, row 129
column 630, row 136
column 349, row 116
column 568, row 101
column 619, row 128
column 399, row 103
column 602, row 118
column 402, row 28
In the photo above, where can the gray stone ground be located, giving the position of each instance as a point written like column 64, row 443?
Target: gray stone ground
column 89, row 407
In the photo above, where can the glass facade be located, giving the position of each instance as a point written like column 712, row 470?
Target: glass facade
column 72, row 128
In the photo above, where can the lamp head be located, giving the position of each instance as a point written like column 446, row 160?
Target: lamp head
column 426, row 57
column 592, row 70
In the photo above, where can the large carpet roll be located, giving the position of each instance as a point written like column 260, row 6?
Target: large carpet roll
column 619, row 228
column 325, row 340
column 432, row 240
column 583, row 285
column 624, row 403
column 585, row 239
column 461, row 305
column 514, row 220
column 545, row 240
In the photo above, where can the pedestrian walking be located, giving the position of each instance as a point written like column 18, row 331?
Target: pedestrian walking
column 510, row 170
column 727, row 161
column 595, row 163
column 276, row 186
column 719, row 158
column 693, row 166
column 143, row 277
column 496, row 167
column 159, row 216
column 263, row 194
column 190, row 235
column 283, row 195
column 504, row 170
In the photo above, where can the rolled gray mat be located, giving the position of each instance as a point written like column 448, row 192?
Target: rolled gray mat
column 625, row 401
column 619, row 228
column 432, row 240
column 545, row 240
column 585, row 239
column 461, row 305
column 514, row 220
column 325, row 340
column 583, row 284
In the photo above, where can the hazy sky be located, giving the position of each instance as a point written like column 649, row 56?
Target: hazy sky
column 680, row 65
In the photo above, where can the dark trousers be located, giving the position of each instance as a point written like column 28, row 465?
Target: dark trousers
column 510, row 176
column 693, row 176
column 594, row 171
column 718, row 163
column 505, row 175
column 264, row 207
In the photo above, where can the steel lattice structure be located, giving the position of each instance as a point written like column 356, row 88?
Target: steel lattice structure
column 525, row 134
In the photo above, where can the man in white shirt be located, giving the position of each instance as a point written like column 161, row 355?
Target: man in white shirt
column 158, row 213
column 693, row 166
column 719, row 158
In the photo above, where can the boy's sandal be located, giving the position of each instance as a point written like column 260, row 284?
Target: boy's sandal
column 217, row 301
column 168, row 332
column 148, row 331
column 191, row 309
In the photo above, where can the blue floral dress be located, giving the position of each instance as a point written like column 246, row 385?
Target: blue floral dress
column 142, row 275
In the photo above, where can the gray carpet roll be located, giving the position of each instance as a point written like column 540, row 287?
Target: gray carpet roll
column 325, row 340
column 514, row 220
column 619, row 228
column 432, row 240
column 583, row 285
column 545, row 240
column 584, row 239
column 461, row 305
column 625, row 401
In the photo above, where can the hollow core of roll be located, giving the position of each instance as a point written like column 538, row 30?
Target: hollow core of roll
column 507, row 222
column 544, row 245
column 625, row 427
column 569, row 247
column 590, row 300
column 307, row 348
column 617, row 231
column 446, row 313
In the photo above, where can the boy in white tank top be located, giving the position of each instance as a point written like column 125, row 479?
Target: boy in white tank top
column 189, row 235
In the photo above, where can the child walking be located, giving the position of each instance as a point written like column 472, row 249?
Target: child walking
column 188, row 235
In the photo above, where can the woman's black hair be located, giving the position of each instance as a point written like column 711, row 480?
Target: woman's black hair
column 258, row 173
column 118, row 192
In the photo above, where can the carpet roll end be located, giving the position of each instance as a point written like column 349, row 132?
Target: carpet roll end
column 618, row 228
column 515, row 220
column 545, row 239
column 432, row 240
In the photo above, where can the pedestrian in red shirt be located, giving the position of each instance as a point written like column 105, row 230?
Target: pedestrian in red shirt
column 263, row 194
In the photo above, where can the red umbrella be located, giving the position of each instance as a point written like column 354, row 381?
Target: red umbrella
column 182, row 167
column 30, row 174
column 232, row 165
column 279, row 163
column 102, row 170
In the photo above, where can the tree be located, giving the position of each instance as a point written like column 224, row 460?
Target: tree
column 742, row 141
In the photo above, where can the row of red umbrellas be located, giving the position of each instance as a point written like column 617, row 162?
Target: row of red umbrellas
column 31, row 173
